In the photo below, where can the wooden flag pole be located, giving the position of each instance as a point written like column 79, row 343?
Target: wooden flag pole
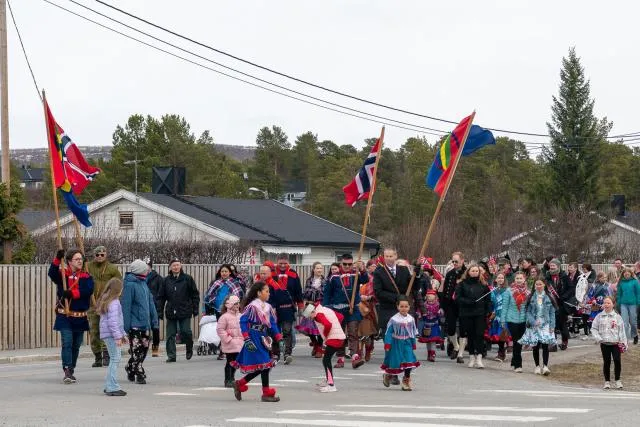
column 63, row 266
column 436, row 214
column 363, row 237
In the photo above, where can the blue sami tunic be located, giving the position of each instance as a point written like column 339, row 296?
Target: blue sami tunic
column 337, row 294
column 258, row 322
column 80, row 284
column 399, row 342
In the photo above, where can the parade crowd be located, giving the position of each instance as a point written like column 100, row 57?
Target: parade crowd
column 469, row 310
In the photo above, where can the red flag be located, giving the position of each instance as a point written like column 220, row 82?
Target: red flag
column 71, row 172
column 359, row 188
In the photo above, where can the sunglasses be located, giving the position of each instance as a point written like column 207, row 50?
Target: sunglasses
column 347, row 264
column 454, row 262
column 100, row 255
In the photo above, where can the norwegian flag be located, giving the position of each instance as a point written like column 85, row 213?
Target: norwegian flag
column 362, row 184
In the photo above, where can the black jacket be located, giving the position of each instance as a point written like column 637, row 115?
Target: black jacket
column 387, row 295
column 180, row 294
column 154, row 281
column 449, row 287
column 468, row 297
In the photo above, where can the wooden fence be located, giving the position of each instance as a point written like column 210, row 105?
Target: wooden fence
column 27, row 298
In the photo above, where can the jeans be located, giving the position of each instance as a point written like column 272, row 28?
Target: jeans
column 71, row 342
column 630, row 319
column 115, row 355
column 184, row 326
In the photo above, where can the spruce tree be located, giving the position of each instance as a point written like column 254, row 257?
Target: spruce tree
column 576, row 137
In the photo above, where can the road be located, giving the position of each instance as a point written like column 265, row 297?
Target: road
column 189, row 393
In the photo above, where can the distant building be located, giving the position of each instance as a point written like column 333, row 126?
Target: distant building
column 295, row 193
column 31, row 178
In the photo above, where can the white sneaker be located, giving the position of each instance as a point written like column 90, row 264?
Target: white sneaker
column 537, row 371
column 518, row 370
column 545, row 371
column 472, row 361
column 322, row 383
column 619, row 385
column 607, row 385
column 328, row 389
column 479, row 364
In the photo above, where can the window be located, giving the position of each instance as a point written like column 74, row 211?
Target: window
column 126, row 219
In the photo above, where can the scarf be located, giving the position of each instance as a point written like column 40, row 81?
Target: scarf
column 520, row 294
column 258, row 312
column 316, row 282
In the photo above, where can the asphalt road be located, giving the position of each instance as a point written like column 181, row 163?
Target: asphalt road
column 190, row 393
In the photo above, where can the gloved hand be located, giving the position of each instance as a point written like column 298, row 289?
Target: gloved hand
column 67, row 294
column 251, row 347
column 387, row 347
column 60, row 254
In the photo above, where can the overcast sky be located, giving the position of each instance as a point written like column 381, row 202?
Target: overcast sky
column 441, row 59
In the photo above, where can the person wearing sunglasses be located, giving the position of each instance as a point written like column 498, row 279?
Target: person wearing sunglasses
column 102, row 271
column 341, row 293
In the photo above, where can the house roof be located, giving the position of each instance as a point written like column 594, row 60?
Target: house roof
column 33, row 219
column 257, row 220
column 281, row 223
column 31, row 174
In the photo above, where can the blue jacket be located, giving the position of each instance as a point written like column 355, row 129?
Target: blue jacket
column 337, row 294
column 548, row 311
column 628, row 292
column 510, row 312
column 138, row 308
column 81, row 286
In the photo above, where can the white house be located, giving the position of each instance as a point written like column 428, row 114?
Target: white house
column 271, row 226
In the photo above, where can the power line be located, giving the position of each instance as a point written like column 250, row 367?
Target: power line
column 230, row 76
column 254, row 77
column 24, row 51
column 299, row 80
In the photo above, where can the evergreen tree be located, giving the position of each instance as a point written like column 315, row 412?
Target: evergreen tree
column 576, row 137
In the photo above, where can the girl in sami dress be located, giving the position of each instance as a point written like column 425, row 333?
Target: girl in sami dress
column 429, row 331
column 541, row 323
column 594, row 298
column 498, row 334
column 259, row 329
column 312, row 294
column 399, row 344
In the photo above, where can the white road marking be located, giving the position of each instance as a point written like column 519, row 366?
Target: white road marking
column 365, row 375
column 422, row 415
column 293, row 381
column 335, row 378
column 336, row 423
column 554, row 393
column 612, row 395
column 212, row 389
column 477, row 408
column 174, row 393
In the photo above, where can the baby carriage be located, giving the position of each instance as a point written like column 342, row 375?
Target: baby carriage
column 208, row 339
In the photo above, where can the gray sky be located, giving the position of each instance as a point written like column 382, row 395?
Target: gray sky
column 436, row 58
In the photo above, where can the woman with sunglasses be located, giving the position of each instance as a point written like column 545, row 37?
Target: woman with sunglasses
column 74, row 288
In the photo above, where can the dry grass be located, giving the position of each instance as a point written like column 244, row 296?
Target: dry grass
column 586, row 370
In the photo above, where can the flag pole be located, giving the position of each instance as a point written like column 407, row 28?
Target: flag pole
column 436, row 214
column 55, row 200
column 363, row 237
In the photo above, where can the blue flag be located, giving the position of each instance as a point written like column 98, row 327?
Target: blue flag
column 478, row 138
column 78, row 209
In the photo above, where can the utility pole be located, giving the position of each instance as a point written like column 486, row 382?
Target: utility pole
column 135, row 163
column 4, row 113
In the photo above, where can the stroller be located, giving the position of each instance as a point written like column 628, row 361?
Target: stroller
column 208, row 339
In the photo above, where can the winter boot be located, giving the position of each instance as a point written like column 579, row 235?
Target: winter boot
column 269, row 395
column 339, row 363
column 240, row 387
column 501, row 357
column 67, row 376
column 479, row 364
column 318, row 352
column 155, row 351
column 406, row 384
column 368, row 351
column 431, row 355
column 356, row 361
column 386, row 380
column 105, row 358
column 98, row 362
column 472, row 361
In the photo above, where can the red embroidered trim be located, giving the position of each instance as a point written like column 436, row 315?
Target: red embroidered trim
column 403, row 366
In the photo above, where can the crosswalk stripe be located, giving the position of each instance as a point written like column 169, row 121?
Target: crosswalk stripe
column 423, row 415
column 477, row 408
column 174, row 393
column 211, row 389
column 292, row 381
column 336, row 423
column 612, row 394
column 365, row 375
column 334, row 377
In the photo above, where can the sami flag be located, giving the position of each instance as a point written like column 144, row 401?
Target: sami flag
column 71, row 172
column 359, row 188
column 440, row 170
column 79, row 210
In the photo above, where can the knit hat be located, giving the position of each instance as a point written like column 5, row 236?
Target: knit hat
column 231, row 301
column 557, row 263
column 308, row 310
column 174, row 259
column 99, row 249
column 139, row 267
column 432, row 292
